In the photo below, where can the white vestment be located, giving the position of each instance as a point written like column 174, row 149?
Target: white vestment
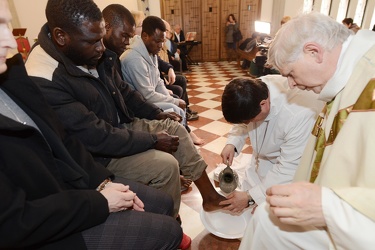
column 278, row 141
column 347, row 170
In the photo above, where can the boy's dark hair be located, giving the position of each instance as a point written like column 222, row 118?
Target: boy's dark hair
column 115, row 14
column 70, row 14
column 241, row 99
column 151, row 24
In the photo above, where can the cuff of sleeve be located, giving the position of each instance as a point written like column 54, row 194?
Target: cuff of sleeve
column 257, row 194
column 154, row 139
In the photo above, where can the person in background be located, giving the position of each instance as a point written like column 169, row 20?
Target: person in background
column 284, row 20
column 139, row 16
column 230, row 26
column 131, row 136
column 174, row 52
column 179, row 35
column 259, row 66
column 348, row 22
column 275, row 119
column 54, row 195
column 178, row 38
column 191, row 115
column 331, row 203
column 248, row 45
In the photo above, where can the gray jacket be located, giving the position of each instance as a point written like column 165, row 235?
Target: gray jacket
column 140, row 69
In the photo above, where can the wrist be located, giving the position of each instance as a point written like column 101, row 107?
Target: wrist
column 103, row 184
column 250, row 200
column 155, row 140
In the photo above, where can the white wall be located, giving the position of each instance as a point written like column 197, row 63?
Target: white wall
column 293, row 7
column 31, row 13
column 34, row 20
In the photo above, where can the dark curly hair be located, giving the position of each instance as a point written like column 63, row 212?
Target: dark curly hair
column 241, row 99
column 115, row 14
column 70, row 14
column 151, row 24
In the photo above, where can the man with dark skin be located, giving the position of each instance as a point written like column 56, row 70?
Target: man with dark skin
column 117, row 125
column 54, row 195
column 120, row 28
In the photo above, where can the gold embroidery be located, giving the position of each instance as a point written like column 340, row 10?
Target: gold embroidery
column 365, row 101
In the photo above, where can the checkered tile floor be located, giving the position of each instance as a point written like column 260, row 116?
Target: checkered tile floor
column 205, row 87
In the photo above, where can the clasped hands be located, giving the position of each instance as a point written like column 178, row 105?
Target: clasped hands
column 121, row 198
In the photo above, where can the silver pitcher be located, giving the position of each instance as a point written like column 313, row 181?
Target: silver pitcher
column 228, row 180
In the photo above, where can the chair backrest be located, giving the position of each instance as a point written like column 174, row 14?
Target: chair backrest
column 23, row 46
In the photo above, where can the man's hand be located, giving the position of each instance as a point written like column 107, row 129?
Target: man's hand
column 181, row 104
column 297, row 204
column 171, row 76
column 120, row 197
column 227, row 154
column 167, row 143
column 171, row 115
column 236, row 202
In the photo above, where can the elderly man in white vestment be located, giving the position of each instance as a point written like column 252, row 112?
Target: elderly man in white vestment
column 331, row 204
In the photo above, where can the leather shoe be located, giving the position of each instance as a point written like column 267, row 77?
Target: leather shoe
column 191, row 111
column 191, row 117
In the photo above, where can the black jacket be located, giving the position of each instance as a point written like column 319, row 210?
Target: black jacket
column 92, row 108
column 47, row 180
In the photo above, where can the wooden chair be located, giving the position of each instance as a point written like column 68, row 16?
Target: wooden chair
column 23, row 44
column 246, row 55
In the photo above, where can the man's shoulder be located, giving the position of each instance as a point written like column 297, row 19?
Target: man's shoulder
column 41, row 64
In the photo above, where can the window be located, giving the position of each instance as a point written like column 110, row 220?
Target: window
column 359, row 11
column 343, row 8
column 308, row 5
column 326, row 6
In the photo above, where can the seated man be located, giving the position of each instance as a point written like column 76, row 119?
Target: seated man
column 54, row 195
column 275, row 119
column 140, row 69
column 129, row 135
column 119, row 23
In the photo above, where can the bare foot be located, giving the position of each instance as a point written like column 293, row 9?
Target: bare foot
column 212, row 203
column 185, row 183
column 196, row 140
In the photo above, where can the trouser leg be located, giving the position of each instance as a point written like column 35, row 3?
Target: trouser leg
column 153, row 168
column 190, row 161
column 132, row 229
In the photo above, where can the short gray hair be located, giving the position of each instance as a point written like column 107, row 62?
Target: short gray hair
column 312, row 27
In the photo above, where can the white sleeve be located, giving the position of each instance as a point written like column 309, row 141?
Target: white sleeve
column 237, row 136
column 348, row 228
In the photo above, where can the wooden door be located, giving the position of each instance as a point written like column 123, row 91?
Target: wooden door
column 192, row 22
column 172, row 12
column 227, row 7
column 208, row 19
column 249, row 13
